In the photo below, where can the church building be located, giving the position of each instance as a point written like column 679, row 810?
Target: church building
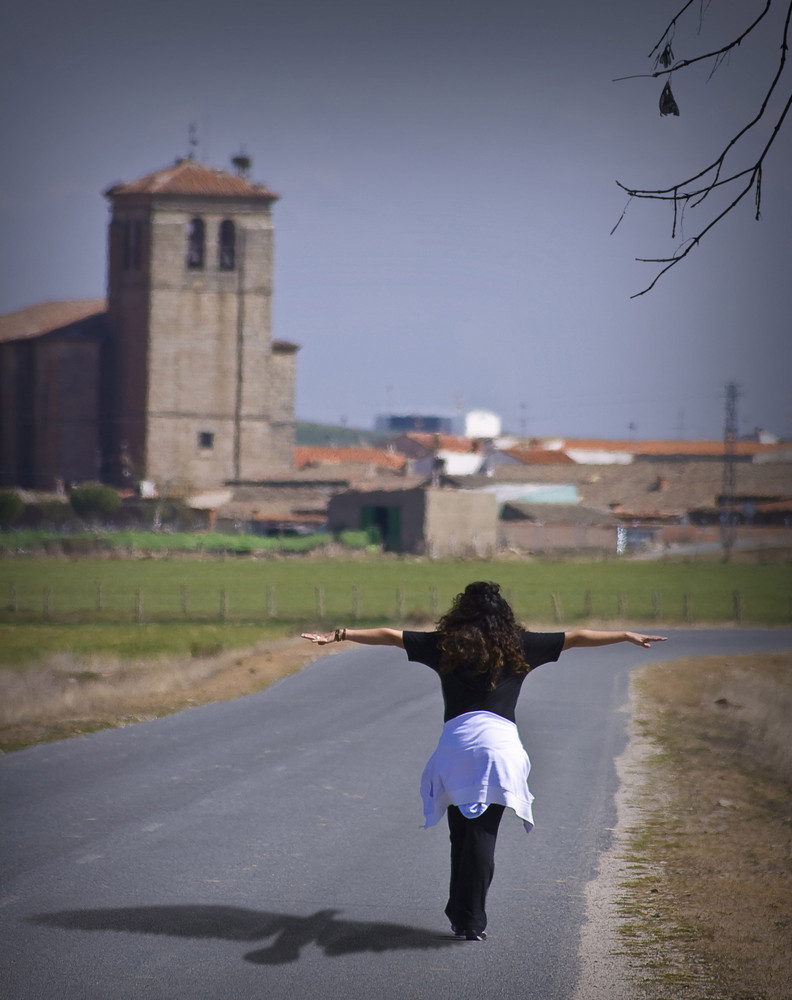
column 176, row 378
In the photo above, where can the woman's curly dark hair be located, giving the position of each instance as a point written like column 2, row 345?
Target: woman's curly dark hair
column 480, row 631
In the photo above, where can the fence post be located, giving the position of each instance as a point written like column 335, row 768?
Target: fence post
column 558, row 611
column 185, row 600
column 400, row 604
column 320, row 602
column 435, row 603
column 356, row 602
column 622, row 600
column 687, row 609
column 48, row 602
column 14, row 601
column 271, row 605
column 99, row 596
column 223, row 604
column 657, row 609
column 139, row 605
column 588, row 604
column 738, row 606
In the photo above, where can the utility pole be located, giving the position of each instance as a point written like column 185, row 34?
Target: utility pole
column 728, row 501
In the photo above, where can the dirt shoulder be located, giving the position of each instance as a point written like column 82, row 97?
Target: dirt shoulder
column 694, row 898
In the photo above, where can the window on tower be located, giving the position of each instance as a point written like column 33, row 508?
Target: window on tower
column 195, row 245
column 205, row 440
column 227, row 245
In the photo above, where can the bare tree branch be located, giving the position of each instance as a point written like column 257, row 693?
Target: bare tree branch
column 716, row 54
column 693, row 190
column 672, row 26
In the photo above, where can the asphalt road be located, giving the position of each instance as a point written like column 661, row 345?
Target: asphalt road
column 271, row 847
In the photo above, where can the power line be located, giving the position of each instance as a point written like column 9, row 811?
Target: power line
column 728, row 499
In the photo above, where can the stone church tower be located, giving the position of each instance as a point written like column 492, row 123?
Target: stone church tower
column 202, row 393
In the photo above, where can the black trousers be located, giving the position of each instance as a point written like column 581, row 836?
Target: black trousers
column 472, row 866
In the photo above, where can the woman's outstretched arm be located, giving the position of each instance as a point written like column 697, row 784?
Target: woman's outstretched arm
column 594, row 637
column 365, row 636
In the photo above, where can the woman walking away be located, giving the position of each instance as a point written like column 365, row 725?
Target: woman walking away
column 480, row 766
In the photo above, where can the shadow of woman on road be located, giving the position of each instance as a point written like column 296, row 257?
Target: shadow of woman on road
column 230, row 923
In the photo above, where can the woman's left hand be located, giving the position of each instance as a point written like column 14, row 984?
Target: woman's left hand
column 644, row 640
column 320, row 638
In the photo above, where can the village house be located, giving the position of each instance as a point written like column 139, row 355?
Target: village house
column 660, row 494
column 174, row 384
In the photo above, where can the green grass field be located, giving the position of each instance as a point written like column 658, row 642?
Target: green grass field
column 143, row 606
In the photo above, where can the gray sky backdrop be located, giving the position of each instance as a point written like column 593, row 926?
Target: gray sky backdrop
column 447, row 173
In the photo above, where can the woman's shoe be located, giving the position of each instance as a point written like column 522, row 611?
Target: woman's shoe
column 469, row 935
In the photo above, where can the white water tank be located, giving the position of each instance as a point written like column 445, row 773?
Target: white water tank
column 482, row 424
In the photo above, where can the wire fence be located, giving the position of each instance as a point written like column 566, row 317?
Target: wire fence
column 357, row 604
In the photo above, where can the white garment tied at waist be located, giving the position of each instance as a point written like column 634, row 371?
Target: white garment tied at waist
column 479, row 760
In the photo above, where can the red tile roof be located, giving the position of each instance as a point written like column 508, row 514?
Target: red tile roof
column 539, row 456
column 442, row 442
column 305, row 455
column 46, row 316
column 660, row 448
column 188, row 177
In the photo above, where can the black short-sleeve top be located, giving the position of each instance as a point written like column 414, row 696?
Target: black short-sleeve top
column 464, row 690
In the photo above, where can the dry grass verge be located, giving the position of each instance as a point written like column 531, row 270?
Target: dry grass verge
column 66, row 695
column 706, row 908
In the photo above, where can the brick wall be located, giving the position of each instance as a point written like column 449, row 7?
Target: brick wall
column 460, row 523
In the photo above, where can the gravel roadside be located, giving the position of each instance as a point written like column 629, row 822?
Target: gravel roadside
column 606, row 971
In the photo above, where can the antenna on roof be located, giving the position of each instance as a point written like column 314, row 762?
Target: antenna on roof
column 192, row 140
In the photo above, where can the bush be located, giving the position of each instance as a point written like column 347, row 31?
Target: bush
column 362, row 539
column 11, row 507
column 303, row 543
column 53, row 515
column 94, row 501
column 176, row 514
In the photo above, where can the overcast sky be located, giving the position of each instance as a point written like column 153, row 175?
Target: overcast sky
column 447, row 175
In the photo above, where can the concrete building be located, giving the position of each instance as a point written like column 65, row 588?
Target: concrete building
column 439, row 523
column 176, row 379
